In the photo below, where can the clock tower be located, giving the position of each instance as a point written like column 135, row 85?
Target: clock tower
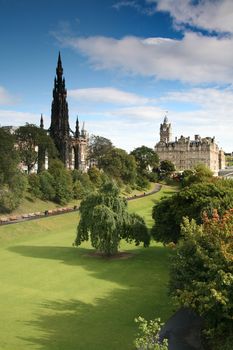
column 165, row 131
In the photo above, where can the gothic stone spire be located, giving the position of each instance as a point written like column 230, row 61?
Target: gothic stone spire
column 59, row 128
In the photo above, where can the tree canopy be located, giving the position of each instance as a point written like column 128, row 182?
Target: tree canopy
column 98, row 147
column 105, row 220
column 12, row 181
column 167, row 167
column 201, row 276
column 146, row 159
column 200, row 173
column 191, row 201
column 30, row 139
column 119, row 165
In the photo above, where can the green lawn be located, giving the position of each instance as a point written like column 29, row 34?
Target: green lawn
column 56, row 297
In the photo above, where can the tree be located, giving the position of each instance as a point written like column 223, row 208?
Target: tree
column 105, row 219
column 119, row 165
column 9, row 157
column 98, row 147
column 201, row 274
column 30, row 139
column 149, row 336
column 191, row 201
column 95, row 176
column 146, row 159
column 47, row 186
column 166, row 168
column 62, row 182
column 82, row 184
column 12, row 181
column 200, row 173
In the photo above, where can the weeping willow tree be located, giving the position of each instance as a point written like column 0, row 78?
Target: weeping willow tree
column 105, row 221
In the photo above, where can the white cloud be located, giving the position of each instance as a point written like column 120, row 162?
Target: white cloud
column 211, row 15
column 125, row 134
column 107, row 95
column 194, row 59
column 6, row 98
column 17, row 118
column 143, row 9
column 208, row 113
column 215, row 101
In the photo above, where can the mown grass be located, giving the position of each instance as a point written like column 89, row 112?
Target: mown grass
column 56, row 297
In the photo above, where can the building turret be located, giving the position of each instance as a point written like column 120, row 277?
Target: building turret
column 165, row 131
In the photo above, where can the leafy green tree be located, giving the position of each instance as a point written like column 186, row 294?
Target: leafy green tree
column 82, row 185
column 62, row 182
column 200, row 173
column 166, row 168
column 146, row 159
column 9, row 157
column 191, row 201
column 12, row 192
column 149, row 336
column 105, row 219
column 95, row 176
column 34, row 185
column 47, row 186
column 30, row 139
column 12, row 182
column 98, row 147
column 142, row 182
column 119, row 165
column 201, row 274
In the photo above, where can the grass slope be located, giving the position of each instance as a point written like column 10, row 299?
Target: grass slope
column 56, row 297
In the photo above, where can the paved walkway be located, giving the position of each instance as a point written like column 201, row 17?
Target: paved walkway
column 13, row 219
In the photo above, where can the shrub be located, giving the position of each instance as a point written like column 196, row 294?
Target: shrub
column 201, row 275
column 149, row 338
column 47, row 186
column 34, row 185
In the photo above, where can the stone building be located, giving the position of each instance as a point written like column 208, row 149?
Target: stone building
column 185, row 153
column 71, row 146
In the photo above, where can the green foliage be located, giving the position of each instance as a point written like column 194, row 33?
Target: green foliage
column 62, row 182
column 202, row 274
column 34, row 185
column 136, row 230
column 9, row 157
column 105, row 219
column 166, row 168
column 47, row 186
column 142, row 182
column 82, row 185
column 95, row 176
column 30, row 138
column 12, row 182
column 148, row 338
column 191, row 202
column 146, row 160
column 200, row 173
column 120, row 166
column 11, row 193
column 98, row 147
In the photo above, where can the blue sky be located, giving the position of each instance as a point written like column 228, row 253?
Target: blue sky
column 126, row 62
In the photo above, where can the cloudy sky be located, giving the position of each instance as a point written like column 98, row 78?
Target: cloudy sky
column 126, row 62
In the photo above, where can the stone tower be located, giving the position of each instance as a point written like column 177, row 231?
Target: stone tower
column 59, row 128
column 165, row 131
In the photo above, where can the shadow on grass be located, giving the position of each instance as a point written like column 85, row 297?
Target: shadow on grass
column 153, row 260
column 108, row 324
